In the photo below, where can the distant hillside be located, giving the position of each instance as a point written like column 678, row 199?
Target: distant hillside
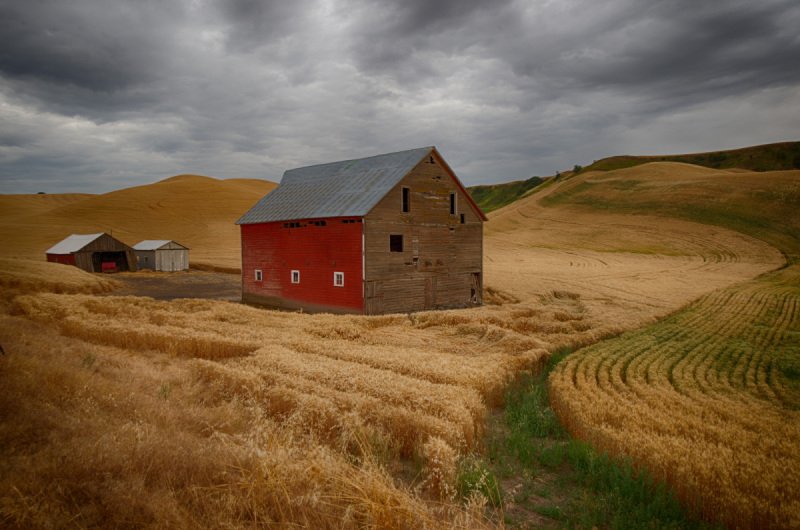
column 769, row 157
column 494, row 196
column 195, row 210
column 763, row 205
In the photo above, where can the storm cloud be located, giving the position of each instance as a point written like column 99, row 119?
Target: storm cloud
column 96, row 95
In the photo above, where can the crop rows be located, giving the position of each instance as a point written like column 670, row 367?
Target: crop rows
column 707, row 399
column 411, row 378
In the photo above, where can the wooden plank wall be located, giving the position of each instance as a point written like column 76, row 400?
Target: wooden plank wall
column 440, row 254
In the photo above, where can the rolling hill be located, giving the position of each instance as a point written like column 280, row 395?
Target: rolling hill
column 194, row 210
column 490, row 197
column 767, row 157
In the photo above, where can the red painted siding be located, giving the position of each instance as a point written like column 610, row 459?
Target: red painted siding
column 66, row 259
column 316, row 251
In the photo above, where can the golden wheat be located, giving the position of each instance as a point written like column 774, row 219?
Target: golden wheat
column 708, row 400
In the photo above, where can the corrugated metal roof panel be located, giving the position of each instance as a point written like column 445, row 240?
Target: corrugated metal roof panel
column 337, row 189
column 72, row 243
column 150, row 244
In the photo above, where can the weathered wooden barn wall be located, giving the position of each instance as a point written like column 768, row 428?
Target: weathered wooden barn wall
column 441, row 264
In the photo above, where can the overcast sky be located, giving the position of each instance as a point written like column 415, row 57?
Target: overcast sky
column 97, row 95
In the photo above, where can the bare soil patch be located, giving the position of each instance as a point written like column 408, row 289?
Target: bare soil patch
column 173, row 285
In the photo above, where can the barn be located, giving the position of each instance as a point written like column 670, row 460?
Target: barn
column 161, row 255
column 93, row 253
column 384, row 234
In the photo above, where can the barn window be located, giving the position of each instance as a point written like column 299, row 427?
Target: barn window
column 452, row 203
column 295, row 276
column 463, row 219
column 259, row 275
column 338, row 279
column 406, row 200
column 395, row 243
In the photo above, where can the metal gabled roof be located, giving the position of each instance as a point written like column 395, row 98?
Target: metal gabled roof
column 72, row 243
column 338, row 189
column 155, row 244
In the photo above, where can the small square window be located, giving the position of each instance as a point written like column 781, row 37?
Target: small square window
column 295, row 276
column 259, row 275
column 395, row 243
column 338, row 279
column 463, row 219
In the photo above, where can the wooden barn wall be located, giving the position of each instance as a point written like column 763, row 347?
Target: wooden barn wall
column 171, row 260
column 316, row 251
column 83, row 260
column 442, row 259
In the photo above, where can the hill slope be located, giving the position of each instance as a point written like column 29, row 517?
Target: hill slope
column 768, row 157
column 195, row 210
column 493, row 196
column 762, row 205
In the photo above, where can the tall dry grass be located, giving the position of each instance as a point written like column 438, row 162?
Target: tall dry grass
column 25, row 275
column 95, row 436
column 128, row 411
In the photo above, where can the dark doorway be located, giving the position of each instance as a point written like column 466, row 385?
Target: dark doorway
column 110, row 261
column 476, row 289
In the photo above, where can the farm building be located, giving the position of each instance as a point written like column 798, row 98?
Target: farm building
column 385, row 234
column 161, row 255
column 93, row 253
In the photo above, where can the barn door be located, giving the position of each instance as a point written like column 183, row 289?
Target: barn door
column 373, row 298
column 476, row 289
column 430, row 293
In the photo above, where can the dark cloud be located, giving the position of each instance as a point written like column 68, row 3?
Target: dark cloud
column 99, row 94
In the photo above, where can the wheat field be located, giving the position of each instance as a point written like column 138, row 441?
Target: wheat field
column 127, row 411
column 707, row 399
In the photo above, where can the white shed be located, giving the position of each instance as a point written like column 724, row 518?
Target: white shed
column 161, row 255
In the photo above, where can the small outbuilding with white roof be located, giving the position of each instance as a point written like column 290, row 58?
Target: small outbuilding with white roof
column 93, row 253
column 161, row 255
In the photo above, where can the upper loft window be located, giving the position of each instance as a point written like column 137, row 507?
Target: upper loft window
column 395, row 243
column 406, row 200
column 452, row 203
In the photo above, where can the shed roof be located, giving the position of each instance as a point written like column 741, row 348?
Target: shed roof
column 154, row 244
column 337, row 189
column 72, row 243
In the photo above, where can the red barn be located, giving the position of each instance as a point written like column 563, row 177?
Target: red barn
column 385, row 234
